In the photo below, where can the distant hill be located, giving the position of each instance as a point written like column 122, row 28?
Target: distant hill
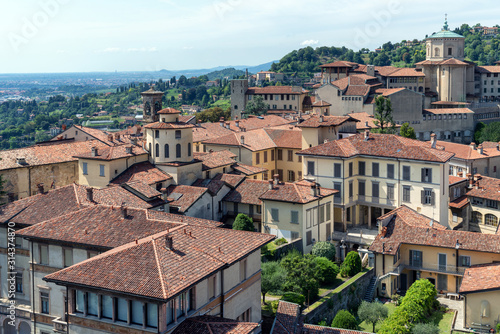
column 225, row 73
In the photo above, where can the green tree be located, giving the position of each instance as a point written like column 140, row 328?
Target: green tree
column 294, row 297
column 344, row 319
column 372, row 313
column 214, row 114
column 425, row 329
column 257, row 106
column 383, row 115
column 327, row 271
column 407, row 131
column 301, row 274
column 273, row 277
column 324, row 249
column 243, row 223
column 353, row 262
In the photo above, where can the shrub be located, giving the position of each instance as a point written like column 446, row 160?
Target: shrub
column 301, row 274
column 372, row 313
column 344, row 270
column 294, row 297
column 280, row 241
column 353, row 261
column 274, row 306
column 344, row 319
column 323, row 323
column 396, row 299
column 243, row 223
column 498, row 328
column 324, row 249
column 327, row 271
column 425, row 329
column 273, row 277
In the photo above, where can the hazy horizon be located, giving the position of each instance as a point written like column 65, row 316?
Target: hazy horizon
column 66, row 36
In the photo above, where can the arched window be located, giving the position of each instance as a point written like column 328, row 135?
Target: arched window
column 147, row 108
column 157, row 150
column 436, row 52
column 189, row 149
column 167, row 151
column 477, row 217
column 490, row 219
column 178, row 150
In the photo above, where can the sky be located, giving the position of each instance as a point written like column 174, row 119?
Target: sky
column 42, row 36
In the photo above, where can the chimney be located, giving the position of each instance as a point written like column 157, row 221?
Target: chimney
column 133, row 141
column 367, row 134
column 433, row 140
column 313, row 190
column 128, row 149
column 473, row 145
column 383, row 232
column 198, row 124
column 276, row 179
column 21, row 161
column 270, row 184
column 11, row 197
column 471, row 180
column 90, row 194
column 242, row 140
column 117, row 136
column 237, row 122
column 366, row 123
column 40, row 188
column 221, row 121
column 321, row 119
column 110, row 137
column 498, row 149
column 123, row 210
column 94, row 151
column 169, row 242
column 480, row 148
column 227, row 125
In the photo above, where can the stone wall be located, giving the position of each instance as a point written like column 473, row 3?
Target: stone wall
column 349, row 297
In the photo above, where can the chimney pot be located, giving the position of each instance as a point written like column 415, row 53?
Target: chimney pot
column 124, row 212
column 110, row 137
column 169, row 242
column 270, row 184
column 40, row 188
column 94, row 151
column 276, row 179
column 480, row 148
column 321, row 119
column 314, row 190
column 367, row 134
column 90, row 194
column 242, row 140
column 366, row 123
column 433, row 140
column 473, row 145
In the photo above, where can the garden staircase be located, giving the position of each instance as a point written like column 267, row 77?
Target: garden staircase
column 370, row 291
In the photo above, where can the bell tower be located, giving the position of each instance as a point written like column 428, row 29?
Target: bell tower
column 152, row 104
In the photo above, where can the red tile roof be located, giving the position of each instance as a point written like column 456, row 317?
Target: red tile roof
column 388, row 91
column 184, row 196
column 287, row 318
column 381, row 145
column 297, row 192
column 214, row 325
column 321, row 104
column 451, row 61
column 113, row 153
column 406, row 72
column 488, row 69
column 315, row 329
column 455, row 179
column 213, row 186
column 103, row 136
column 417, row 231
column 459, row 203
column 487, row 187
column 142, row 171
column 248, row 170
column 143, row 188
column 466, row 152
column 481, row 277
column 248, row 192
column 315, row 121
column 340, row 63
column 215, row 159
column 448, row 111
column 171, row 125
column 169, row 111
column 365, row 121
column 255, row 140
column 48, row 153
column 231, row 180
column 276, row 90
column 162, row 272
column 286, row 138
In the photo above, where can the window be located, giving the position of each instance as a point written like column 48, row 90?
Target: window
column 19, row 242
column 337, row 170
column 243, row 270
column 291, row 176
column 91, row 254
column 310, row 168
column 426, row 175
column 79, row 301
column 375, row 169
column 157, row 133
column 375, row 190
column 449, row 51
column 299, row 175
column 308, row 238
column 390, row 191
column 406, row 173
column 178, row 150
column 19, row 282
column 85, row 168
column 492, row 204
column 348, row 214
column 350, row 189
column 321, row 214
column 177, row 134
column 390, row 171
column 121, row 309
column 427, row 196
column 490, row 219
column 361, row 188
column 92, row 303
column 101, row 170
column 137, row 316
column 272, row 155
column 442, row 282
column 477, row 217
column 107, row 306
column 294, row 217
column 257, row 158
column 275, row 214
column 68, row 257
column 265, row 156
column 157, row 150
column 189, row 149
column 350, row 169
column 280, row 154
column 152, row 315
column 328, row 209
column 211, row 286
column 44, row 254
column 415, row 258
column 290, row 155
column 361, row 168
column 167, row 151
column 406, row 193
column 337, row 196
column 463, row 261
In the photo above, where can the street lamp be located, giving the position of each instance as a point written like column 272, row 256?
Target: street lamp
column 342, row 249
column 457, row 246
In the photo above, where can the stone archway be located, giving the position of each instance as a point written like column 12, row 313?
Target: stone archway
column 8, row 329
column 24, row 328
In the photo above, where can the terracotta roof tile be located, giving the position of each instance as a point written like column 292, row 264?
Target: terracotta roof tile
column 487, row 187
column 213, row 186
column 383, row 145
column 340, row 63
column 406, row 72
column 314, row 121
column 143, row 188
column 184, row 196
column 248, row 192
column 298, row 192
column 455, row 179
column 170, row 125
column 113, row 152
column 466, row 152
column 459, row 203
column 142, row 171
column 287, row 318
column 448, row 111
column 481, row 277
column 315, row 329
column 162, row 272
column 230, row 179
column 276, row 90
column 255, row 140
column 214, row 325
column 169, row 111
column 365, row 121
column 488, row 69
column 286, row 138
column 388, row 91
column 103, row 136
column 215, row 159
column 248, row 170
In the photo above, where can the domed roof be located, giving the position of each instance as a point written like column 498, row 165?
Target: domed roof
column 446, row 34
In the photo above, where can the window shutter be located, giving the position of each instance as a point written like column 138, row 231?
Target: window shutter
column 433, row 198
column 422, row 194
column 430, row 176
column 423, row 175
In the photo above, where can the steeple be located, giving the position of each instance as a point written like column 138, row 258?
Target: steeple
column 445, row 27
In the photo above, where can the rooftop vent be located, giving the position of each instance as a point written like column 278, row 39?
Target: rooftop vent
column 21, row 161
column 94, row 151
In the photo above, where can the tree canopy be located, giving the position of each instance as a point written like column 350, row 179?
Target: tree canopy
column 243, row 223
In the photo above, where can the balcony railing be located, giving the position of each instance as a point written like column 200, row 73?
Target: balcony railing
column 60, row 326
column 432, row 267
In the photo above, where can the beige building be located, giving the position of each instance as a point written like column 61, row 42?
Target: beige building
column 459, row 216
column 269, row 76
column 317, row 130
column 489, row 87
column 412, row 246
column 484, row 198
column 376, row 173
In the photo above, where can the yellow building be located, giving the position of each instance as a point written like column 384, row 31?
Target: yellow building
column 484, row 198
column 412, row 246
column 376, row 173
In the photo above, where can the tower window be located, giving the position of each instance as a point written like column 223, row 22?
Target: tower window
column 178, row 150
column 449, row 51
column 177, row 134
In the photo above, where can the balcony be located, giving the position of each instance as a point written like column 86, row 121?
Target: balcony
column 370, row 200
column 431, row 267
column 60, row 326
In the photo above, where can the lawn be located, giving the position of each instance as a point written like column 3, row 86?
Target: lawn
column 366, row 327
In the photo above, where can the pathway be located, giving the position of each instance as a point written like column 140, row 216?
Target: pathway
column 457, row 305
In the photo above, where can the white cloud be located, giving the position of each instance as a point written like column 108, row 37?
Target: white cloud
column 152, row 49
column 309, row 42
column 187, row 48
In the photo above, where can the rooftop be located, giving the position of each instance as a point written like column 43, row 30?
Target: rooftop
column 486, row 187
column 215, row 159
column 297, row 192
column 247, row 170
column 169, row 125
column 169, row 111
column 183, row 197
column 248, row 192
column 380, row 145
column 325, row 121
column 448, row 111
column 480, row 278
column 142, row 171
column 468, row 152
column 365, row 121
column 113, row 152
column 214, row 325
column 296, row 90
